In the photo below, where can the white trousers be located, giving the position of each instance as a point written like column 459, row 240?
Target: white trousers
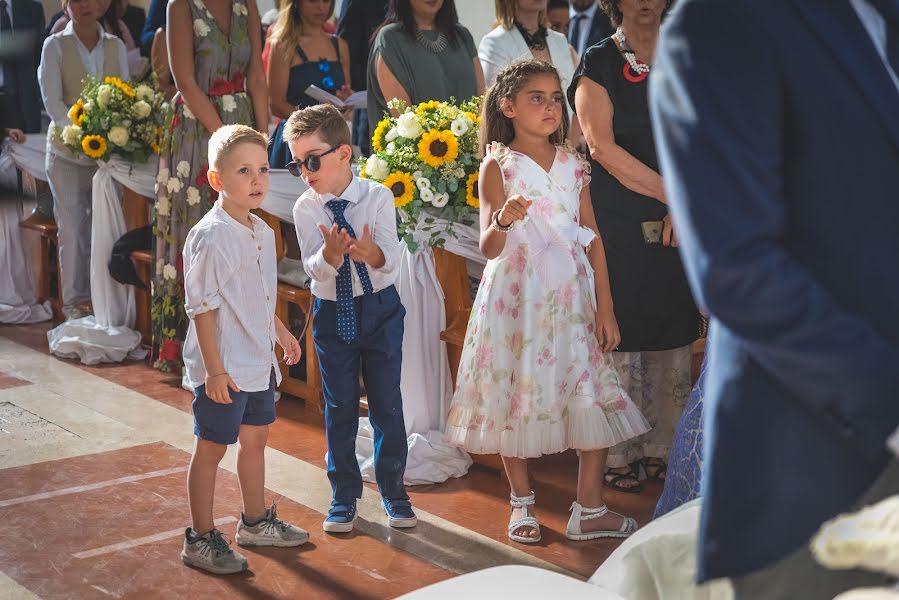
column 71, row 184
column 659, row 383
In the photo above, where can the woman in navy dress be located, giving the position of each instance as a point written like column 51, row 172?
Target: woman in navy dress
column 303, row 54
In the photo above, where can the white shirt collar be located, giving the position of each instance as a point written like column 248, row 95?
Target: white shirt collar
column 589, row 13
column 352, row 193
column 223, row 214
column 70, row 30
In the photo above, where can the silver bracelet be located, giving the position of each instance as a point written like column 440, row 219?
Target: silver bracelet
column 495, row 225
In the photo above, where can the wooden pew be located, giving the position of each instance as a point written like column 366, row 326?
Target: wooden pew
column 309, row 390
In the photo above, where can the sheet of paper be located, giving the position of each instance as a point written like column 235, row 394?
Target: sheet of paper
column 357, row 100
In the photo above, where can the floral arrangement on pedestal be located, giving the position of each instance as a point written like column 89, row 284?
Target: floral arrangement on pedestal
column 114, row 117
column 429, row 157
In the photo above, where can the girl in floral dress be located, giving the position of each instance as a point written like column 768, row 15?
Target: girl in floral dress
column 534, row 376
column 215, row 52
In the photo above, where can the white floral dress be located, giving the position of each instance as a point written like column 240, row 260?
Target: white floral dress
column 533, row 379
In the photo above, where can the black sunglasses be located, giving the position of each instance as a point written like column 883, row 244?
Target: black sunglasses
column 312, row 163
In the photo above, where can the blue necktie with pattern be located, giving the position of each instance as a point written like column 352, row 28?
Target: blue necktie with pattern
column 346, row 310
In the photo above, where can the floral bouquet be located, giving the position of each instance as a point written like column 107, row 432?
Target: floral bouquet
column 113, row 117
column 429, row 158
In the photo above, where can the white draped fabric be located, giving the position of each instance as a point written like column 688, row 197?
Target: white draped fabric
column 107, row 336
column 17, row 301
column 30, row 155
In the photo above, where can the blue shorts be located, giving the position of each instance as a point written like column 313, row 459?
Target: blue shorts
column 220, row 423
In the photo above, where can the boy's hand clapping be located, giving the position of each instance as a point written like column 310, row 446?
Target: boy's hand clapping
column 217, row 387
column 337, row 244
column 366, row 250
column 515, row 209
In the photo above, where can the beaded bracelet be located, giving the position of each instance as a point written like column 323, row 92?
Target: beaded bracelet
column 495, row 225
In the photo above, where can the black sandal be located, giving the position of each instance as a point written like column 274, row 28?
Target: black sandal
column 613, row 480
column 655, row 468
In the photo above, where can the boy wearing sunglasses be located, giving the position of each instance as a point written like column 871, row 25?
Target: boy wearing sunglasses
column 230, row 283
column 346, row 227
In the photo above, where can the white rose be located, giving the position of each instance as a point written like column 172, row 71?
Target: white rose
column 170, row 272
column 228, row 103
column 144, row 92
column 193, row 196
column 163, row 206
column 104, row 93
column 391, row 135
column 391, row 148
column 423, row 183
column 377, row 168
column 187, row 113
column 163, row 175
column 71, row 135
column 409, row 126
column 239, row 9
column 416, row 175
column 118, row 135
column 459, row 127
column 201, row 28
column 440, row 200
column 88, row 105
column 141, row 110
column 174, row 185
column 183, row 169
column 426, row 195
column 160, row 265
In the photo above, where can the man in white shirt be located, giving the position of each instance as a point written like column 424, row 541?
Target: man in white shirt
column 346, row 227
column 589, row 25
column 778, row 136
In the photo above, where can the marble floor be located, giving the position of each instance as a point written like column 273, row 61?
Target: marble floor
column 93, row 463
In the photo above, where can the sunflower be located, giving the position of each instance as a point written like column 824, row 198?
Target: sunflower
column 126, row 89
column 377, row 139
column 472, row 117
column 94, row 145
column 437, row 147
column 401, row 185
column 77, row 112
column 422, row 108
column 471, row 191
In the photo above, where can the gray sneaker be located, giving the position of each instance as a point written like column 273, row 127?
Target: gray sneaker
column 211, row 552
column 270, row 532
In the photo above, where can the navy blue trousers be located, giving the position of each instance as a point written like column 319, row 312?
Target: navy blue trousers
column 376, row 353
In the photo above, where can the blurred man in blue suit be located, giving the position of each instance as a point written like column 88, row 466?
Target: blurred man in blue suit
column 777, row 124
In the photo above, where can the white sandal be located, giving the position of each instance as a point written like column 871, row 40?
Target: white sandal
column 526, row 521
column 580, row 513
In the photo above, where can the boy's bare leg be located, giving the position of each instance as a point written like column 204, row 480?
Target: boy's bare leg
column 201, row 483
column 519, row 480
column 251, row 469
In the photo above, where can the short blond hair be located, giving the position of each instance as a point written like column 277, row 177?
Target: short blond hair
column 323, row 119
column 228, row 137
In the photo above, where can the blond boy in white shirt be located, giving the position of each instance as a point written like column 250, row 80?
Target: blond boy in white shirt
column 230, row 281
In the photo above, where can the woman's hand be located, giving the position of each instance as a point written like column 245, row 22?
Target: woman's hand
column 16, row 135
column 515, row 209
column 217, row 387
column 607, row 333
column 669, row 237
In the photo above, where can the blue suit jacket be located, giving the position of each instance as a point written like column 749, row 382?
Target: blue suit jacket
column 777, row 127
column 28, row 16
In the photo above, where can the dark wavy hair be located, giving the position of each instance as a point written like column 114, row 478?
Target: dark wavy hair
column 497, row 127
column 447, row 21
column 612, row 8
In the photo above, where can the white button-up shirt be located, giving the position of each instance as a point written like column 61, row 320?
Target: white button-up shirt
column 370, row 203
column 584, row 25
column 232, row 269
column 49, row 73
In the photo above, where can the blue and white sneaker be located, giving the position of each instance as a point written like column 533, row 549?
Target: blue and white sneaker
column 341, row 517
column 399, row 513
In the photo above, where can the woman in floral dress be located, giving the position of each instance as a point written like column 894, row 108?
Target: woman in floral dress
column 224, row 84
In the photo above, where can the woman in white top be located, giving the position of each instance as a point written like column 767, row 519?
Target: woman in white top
column 81, row 49
column 522, row 33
